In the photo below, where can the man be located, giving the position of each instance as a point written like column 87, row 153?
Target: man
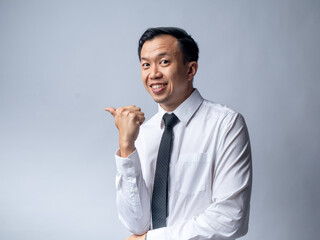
column 207, row 183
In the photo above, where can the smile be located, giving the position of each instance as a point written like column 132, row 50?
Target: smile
column 157, row 86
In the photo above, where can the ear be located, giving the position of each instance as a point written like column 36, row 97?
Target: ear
column 192, row 69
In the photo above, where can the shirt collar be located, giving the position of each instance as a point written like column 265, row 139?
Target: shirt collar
column 185, row 110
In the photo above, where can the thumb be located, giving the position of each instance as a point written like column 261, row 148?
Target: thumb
column 111, row 110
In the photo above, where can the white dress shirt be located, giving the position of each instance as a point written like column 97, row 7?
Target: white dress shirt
column 209, row 184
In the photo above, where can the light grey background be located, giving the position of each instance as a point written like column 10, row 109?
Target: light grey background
column 62, row 62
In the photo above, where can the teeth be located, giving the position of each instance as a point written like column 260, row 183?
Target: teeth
column 156, row 86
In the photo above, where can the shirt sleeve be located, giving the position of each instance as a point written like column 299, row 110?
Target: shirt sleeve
column 227, row 217
column 133, row 198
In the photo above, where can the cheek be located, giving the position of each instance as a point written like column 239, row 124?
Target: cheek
column 144, row 77
column 145, row 82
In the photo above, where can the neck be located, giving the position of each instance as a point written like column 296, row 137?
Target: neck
column 172, row 107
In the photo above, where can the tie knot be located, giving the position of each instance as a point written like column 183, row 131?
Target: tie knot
column 170, row 119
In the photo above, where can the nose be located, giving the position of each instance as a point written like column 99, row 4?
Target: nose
column 155, row 73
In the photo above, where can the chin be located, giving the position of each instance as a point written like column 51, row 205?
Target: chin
column 158, row 100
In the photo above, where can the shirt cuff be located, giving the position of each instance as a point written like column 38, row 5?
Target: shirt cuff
column 130, row 166
column 157, row 234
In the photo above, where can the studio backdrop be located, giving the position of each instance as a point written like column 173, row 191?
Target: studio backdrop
column 63, row 62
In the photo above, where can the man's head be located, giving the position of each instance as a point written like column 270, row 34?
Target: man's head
column 167, row 66
column 188, row 46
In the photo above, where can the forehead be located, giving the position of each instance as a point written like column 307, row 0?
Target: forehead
column 159, row 45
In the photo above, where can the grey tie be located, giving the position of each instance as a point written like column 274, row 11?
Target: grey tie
column 160, row 189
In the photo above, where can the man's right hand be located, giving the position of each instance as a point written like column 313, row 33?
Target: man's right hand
column 128, row 120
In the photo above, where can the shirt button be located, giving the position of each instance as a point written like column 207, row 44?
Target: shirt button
column 134, row 190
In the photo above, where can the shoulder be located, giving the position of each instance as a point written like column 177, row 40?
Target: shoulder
column 219, row 113
column 217, row 109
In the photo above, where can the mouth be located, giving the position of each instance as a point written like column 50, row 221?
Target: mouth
column 158, row 87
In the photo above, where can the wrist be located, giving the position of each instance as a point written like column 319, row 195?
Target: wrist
column 126, row 148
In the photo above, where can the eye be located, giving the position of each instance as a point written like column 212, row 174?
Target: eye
column 145, row 65
column 164, row 62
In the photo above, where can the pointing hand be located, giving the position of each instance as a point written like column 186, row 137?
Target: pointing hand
column 128, row 120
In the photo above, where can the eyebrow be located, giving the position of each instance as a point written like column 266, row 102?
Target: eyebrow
column 159, row 55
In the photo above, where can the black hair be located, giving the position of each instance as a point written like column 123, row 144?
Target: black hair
column 188, row 46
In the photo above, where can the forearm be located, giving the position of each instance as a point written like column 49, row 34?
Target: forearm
column 133, row 198
column 225, row 219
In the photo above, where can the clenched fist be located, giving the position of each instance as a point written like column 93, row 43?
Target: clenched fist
column 128, row 120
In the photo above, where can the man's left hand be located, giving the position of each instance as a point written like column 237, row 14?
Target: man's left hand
column 136, row 237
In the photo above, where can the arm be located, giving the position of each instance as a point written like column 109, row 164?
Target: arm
column 133, row 199
column 227, row 216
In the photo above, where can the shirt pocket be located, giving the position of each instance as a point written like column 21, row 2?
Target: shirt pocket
column 191, row 173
